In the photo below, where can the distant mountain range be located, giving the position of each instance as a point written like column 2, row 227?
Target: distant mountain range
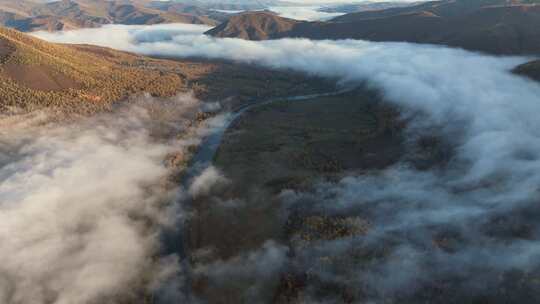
column 507, row 27
column 233, row 5
column 31, row 15
column 256, row 26
column 84, row 79
column 492, row 26
column 214, row 15
column 361, row 7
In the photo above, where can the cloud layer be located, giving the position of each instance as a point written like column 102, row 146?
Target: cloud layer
column 468, row 222
column 309, row 13
column 82, row 204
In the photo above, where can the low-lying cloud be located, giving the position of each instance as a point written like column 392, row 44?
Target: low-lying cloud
column 307, row 13
column 465, row 225
column 83, row 203
column 255, row 273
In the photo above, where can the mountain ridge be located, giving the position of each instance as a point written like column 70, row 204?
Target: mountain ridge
column 253, row 26
column 497, row 29
column 36, row 74
column 530, row 69
column 71, row 14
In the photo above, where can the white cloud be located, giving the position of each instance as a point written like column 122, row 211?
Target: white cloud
column 446, row 83
column 253, row 274
column 82, row 204
column 309, row 13
column 312, row 10
column 489, row 115
column 204, row 182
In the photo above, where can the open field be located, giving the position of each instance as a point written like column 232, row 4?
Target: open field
column 326, row 253
column 285, row 145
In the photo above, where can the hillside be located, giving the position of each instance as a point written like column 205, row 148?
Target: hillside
column 190, row 9
column 20, row 7
column 35, row 74
column 531, row 70
column 85, row 79
column 254, row 26
column 362, row 7
column 228, row 5
column 483, row 25
column 445, row 8
column 68, row 14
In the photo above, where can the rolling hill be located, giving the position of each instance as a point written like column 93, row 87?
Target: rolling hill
column 68, row 14
column 228, row 5
column 35, row 74
column 85, row 79
column 444, row 8
column 361, row 7
column 254, row 26
column 492, row 26
column 530, row 69
column 190, row 9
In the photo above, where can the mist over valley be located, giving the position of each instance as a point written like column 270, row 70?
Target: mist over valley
column 269, row 152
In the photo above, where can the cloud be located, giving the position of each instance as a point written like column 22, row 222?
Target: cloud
column 122, row 36
column 466, row 225
column 309, row 13
column 423, row 233
column 208, row 179
column 83, row 203
column 258, row 264
column 251, row 273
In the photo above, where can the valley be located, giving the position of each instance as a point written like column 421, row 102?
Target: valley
column 388, row 155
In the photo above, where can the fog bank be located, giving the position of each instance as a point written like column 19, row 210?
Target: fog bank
column 467, row 224
column 83, row 203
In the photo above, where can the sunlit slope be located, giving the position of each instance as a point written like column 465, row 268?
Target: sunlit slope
column 253, row 26
column 29, row 16
column 35, row 73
